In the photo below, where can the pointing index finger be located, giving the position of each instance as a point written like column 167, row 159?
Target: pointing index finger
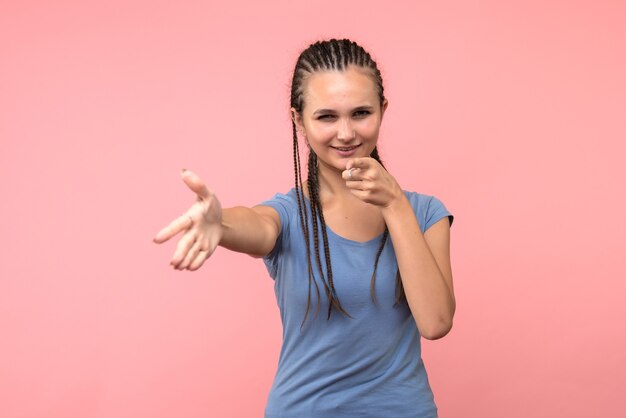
column 361, row 162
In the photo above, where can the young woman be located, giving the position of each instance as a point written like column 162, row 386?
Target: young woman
column 349, row 240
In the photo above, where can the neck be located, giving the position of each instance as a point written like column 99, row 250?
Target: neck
column 332, row 186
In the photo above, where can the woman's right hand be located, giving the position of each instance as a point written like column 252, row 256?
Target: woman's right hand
column 202, row 224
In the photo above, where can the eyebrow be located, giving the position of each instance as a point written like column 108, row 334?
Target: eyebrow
column 319, row 111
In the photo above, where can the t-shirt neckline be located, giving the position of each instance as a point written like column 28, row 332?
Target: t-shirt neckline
column 339, row 237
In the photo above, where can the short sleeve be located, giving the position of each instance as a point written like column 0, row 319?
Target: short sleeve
column 435, row 211
column 283, row 205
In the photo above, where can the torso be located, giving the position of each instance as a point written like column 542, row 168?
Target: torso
column 383, row 350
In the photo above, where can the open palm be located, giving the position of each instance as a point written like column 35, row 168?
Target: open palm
column 202, row 224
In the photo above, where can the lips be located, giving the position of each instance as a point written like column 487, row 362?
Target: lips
column 345, row 148
column 346, row 152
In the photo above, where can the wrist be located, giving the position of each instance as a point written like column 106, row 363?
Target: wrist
column 398, row 203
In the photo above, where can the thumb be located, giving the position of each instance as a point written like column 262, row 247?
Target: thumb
column 195, row 183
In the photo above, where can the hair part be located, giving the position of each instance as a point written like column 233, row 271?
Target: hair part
column 331, row 55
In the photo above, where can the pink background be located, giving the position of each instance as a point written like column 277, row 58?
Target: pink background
column 512, row 113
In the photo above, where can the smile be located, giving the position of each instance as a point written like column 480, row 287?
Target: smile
column 345, row 148
column 346, row 152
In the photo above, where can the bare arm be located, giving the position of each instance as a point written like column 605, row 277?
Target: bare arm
column 424, row 262
column 250, row 230
column 206, row 225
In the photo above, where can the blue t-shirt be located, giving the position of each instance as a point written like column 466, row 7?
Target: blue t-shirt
column 368, row 366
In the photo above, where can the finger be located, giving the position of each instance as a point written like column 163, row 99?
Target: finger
column 361, row 162
column 361, row 194
column 181, row 223
column 355, row 185
column 353, row 174
column 191, row 255
column 201, row 257
column 195, row 183
column 182, row 248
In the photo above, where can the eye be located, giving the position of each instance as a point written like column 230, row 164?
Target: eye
column 361, row 113
column 326, row 117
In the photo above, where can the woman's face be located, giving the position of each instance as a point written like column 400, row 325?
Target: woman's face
column 341, row 116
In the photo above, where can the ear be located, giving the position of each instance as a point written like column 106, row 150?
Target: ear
column 382, row 110
column 297, row 119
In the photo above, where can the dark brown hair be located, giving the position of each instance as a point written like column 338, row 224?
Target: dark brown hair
column 337, row 55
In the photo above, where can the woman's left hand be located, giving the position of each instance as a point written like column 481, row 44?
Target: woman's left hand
column 370, row 182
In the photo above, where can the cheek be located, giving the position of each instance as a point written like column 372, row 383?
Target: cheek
column 321, row 133
column 369, row 128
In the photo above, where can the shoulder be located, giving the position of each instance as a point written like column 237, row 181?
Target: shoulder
column 288, row 198
column 280, row 208
column 419, row 201
column 428, row 209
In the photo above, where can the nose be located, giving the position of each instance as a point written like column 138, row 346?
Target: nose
column 345, row 131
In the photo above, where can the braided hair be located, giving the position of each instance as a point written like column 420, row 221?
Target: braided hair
column 333, row 54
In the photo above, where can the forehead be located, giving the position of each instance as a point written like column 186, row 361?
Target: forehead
column 336, row 89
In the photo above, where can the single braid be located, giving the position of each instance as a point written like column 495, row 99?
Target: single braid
column 374, row 155
column 312, row 186
column 305, row 223
column 400, row 296
column 317, row 212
